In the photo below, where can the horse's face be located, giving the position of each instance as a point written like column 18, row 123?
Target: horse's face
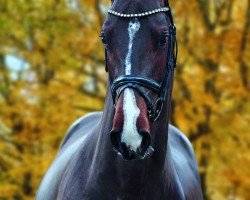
column 138, row 47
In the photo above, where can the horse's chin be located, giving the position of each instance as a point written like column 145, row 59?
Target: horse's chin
column 135, row 155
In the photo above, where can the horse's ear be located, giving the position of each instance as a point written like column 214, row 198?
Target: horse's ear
column 164, row 2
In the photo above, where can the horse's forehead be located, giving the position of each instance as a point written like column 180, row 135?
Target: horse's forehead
column 135, row 6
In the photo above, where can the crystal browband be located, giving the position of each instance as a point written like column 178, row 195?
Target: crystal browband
column 139, row 14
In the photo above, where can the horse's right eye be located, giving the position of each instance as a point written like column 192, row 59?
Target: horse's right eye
column 163, row 39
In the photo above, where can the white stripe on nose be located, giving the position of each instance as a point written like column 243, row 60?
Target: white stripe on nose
column 130, row 135
column 133, row 27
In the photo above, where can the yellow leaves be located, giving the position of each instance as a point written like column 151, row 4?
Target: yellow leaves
column 62, row 47
column 211, row 103
column 7, row 191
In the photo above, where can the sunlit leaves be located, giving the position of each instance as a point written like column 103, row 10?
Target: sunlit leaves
column 66, row 79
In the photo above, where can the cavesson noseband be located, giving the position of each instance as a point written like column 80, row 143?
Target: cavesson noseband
column 136, row 82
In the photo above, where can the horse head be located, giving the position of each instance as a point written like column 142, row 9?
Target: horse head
column 139, row 40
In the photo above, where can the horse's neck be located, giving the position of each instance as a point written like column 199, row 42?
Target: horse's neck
column 112, row 163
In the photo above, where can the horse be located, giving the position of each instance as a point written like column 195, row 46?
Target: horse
column 129, row 151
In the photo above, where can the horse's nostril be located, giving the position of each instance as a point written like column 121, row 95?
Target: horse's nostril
column 146, row 140
column 115, row 137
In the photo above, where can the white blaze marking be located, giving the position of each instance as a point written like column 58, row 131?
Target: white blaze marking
column 130, row 136
column 132, row 29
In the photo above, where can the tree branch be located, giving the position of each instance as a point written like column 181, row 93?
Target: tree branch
column 99, row 13
column 85, row 108
column 204, row 7
column 83, row 90
column 243, row 46
column 92, row 94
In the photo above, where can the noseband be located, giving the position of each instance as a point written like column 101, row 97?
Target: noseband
column 136, row 82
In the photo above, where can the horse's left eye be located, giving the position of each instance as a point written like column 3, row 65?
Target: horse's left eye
column 104, row 39
column 163, row 39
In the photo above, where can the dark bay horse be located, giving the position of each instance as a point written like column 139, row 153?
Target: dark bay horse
column 129, row 151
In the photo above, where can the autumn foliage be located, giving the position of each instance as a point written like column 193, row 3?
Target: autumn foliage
column 52, row 72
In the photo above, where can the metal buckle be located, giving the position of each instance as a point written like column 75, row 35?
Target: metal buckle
column 158, row 107
column 151, row 114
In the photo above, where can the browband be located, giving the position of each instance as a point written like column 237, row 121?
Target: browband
column 164, row 9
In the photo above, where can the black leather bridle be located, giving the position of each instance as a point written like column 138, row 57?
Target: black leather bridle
column 136, row 82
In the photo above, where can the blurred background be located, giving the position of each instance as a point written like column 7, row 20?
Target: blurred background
column 52, row 72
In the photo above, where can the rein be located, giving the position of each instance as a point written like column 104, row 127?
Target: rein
column 136, row 82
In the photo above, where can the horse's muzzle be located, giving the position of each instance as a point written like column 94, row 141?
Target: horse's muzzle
column 126, row 152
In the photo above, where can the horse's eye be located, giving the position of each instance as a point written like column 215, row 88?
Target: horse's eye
column 104, row 39
column 163, row 39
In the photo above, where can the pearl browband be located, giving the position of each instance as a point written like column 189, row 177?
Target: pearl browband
column 164, row 9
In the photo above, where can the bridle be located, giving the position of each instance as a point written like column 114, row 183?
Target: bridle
column 136, row 82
